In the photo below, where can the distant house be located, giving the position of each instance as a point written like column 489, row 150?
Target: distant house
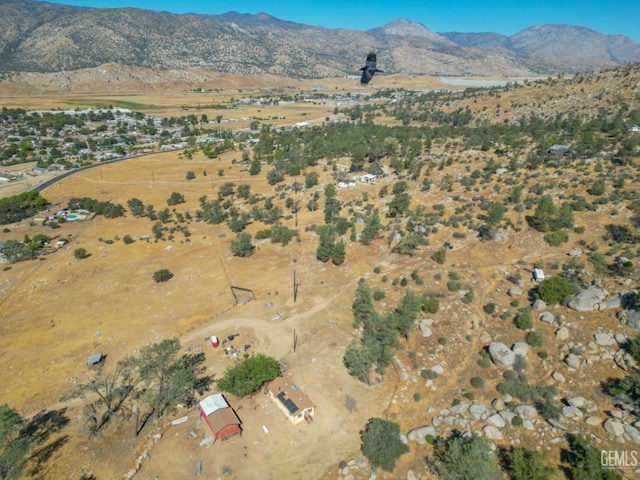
column 558, row 149
column 220, row 417
column 291, row 400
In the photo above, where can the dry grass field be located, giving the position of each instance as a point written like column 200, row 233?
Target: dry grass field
column 56, row 310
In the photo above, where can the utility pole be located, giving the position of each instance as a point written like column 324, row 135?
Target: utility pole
column 295, row 286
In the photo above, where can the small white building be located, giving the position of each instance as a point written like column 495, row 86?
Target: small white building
column 538, row 274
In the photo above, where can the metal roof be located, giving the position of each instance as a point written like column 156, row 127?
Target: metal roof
column 213, row 403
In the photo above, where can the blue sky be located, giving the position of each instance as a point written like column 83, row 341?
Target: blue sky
column 507, row 17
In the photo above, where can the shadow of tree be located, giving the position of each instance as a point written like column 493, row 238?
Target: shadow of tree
column 39, row 430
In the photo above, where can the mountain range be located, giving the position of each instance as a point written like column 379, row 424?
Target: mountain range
column 47, row 37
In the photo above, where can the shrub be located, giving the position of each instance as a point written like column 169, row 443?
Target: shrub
column 249, row 375
column 439, row 256
column 549, row 409
column 525, row 464
column 381, row 443
column 80, row 253
column 557, row 238
column 430, row 305
column 428, row 374
column 524, row 320
column 490, row 308
column 454, row 285
column 535, row 338
column 477, row 382
column 553, row 290
column 516, row 421
column 162, row 275
column 241, row 246
column 127, row 239
column 378, row 294
column 466, row 457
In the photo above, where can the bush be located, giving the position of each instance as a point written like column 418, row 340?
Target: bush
column 241, row 246
column 162, row 275
column 439, row 256
column 80, row 253
column 428, row 374
column 557, row 238
column 477, row 382
column 249, row 375
column 378, row 295
column 553, row 290
column 381, row 443
column 525, row 464
column 430, row 305
column 468, row 458
column 535, row 338
column 490, row 308
column 524, row 321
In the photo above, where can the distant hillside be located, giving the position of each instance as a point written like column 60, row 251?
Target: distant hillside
column 48, row 37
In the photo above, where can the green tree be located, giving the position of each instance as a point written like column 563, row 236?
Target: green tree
column 311, row 179
column 381, row 443
column 162, row 275
column 431, row 305
column 108, row 391
column 339, row 253
column 14, row 251
column 169, row 379
column 175, row 199
column 362, row 306
column 495, row 213
column 136, row 207
column 326, row 246
column 358, row 361
column 524, row 320
column 439, row 256
column 553, row 290
column 557, row 238
column 406, row 313
column 466, row 458
column 525, row 464
column 14, row 444
column 249, row 375
column 543, row 215
column 242, row 246
column 190, row 175
column 255, row 167
column 80, row 253
column 586, row 463
column 372, row 227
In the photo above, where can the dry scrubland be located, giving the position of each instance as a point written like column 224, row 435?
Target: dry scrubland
column 57, row 310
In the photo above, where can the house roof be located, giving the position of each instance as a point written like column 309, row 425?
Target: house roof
column 213, row 403
column 221, row 418
column 290, row 395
